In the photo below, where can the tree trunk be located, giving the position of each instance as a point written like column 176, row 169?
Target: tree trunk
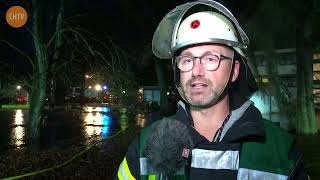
column 39, row 82
column 56, row 57
column 162, row 81
column 52, row 93
column 38, row 94
column 306, row 122
column 306, row 119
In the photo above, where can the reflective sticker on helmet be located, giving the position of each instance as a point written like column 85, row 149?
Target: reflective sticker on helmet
column 195, row 24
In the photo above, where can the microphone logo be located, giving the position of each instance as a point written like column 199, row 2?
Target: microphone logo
column 185, row 152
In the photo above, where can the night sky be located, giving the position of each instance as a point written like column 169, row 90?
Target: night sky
column 129, row 24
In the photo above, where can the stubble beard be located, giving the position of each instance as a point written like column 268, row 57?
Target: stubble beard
column 206, row 99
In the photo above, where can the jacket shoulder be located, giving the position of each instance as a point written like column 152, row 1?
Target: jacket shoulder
column 277, row 134
column 270, row 155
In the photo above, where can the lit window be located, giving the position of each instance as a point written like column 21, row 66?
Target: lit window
column 316, row 76
column 316, row 56
column 316, row 91
column 265, row 80
column 316, row 67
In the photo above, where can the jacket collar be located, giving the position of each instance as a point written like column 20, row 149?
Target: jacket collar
column 245, row 123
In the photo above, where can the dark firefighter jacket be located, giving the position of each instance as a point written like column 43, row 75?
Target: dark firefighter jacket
column 249, row 148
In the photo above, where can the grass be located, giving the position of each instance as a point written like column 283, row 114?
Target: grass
column 15, row 106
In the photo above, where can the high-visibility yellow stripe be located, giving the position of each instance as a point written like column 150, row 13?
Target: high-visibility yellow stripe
column 120, row 175
column 127, row 169
column 152, row 177
column 124, row 171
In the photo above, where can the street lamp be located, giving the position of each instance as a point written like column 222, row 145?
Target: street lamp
column 98, row 87
column 18, row 92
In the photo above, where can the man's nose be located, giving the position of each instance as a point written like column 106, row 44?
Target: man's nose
column 198, row 69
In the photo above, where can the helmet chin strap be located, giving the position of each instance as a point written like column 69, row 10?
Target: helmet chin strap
column 178, row 85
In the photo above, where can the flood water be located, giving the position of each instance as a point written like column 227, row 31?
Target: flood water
column 64, row 127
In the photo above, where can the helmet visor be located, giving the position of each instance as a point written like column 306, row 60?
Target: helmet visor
column 164, row 38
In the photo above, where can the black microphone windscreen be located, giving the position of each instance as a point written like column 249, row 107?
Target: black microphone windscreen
column 164, row 144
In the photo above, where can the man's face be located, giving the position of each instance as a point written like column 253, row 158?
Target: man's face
column 200, row 87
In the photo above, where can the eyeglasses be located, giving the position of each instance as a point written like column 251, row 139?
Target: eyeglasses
column 210, row 61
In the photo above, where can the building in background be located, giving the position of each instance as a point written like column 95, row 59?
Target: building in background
column 287, row 73
column 316, row 78
column 151, row 94
column 286, row 70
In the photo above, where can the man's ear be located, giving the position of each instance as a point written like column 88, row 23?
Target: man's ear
column 236, row 69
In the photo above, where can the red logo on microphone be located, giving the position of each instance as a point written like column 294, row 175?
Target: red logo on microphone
column 195, row 24
column 185, row 153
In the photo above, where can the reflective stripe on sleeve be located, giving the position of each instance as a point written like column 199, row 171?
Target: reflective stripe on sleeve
column 152, row 177
column 249, row 174
column 143, row 166
column 209, row 159
column 124, row 171
column 120, row 175
column 146, row 169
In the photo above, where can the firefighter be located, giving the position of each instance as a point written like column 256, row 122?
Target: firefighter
column 230, row 139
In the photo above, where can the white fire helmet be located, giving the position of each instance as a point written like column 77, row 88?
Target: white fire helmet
column 203, row 22
column 206, row 27
column 210, row 23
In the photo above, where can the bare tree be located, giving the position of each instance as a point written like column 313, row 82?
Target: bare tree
column 61, row 51
column 306, row 123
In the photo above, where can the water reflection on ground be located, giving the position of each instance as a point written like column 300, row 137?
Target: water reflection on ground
column 97, row 121
column 83, row 124
column 18, row 131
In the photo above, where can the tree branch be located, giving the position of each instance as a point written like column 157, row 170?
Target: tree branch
column 76, row 34
column 29, row 30
column 75, row 16
column 19, row 51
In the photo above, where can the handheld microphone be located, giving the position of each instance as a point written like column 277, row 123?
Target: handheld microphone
column 168, row 146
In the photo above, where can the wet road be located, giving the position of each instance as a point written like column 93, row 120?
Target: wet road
column 64, row 127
